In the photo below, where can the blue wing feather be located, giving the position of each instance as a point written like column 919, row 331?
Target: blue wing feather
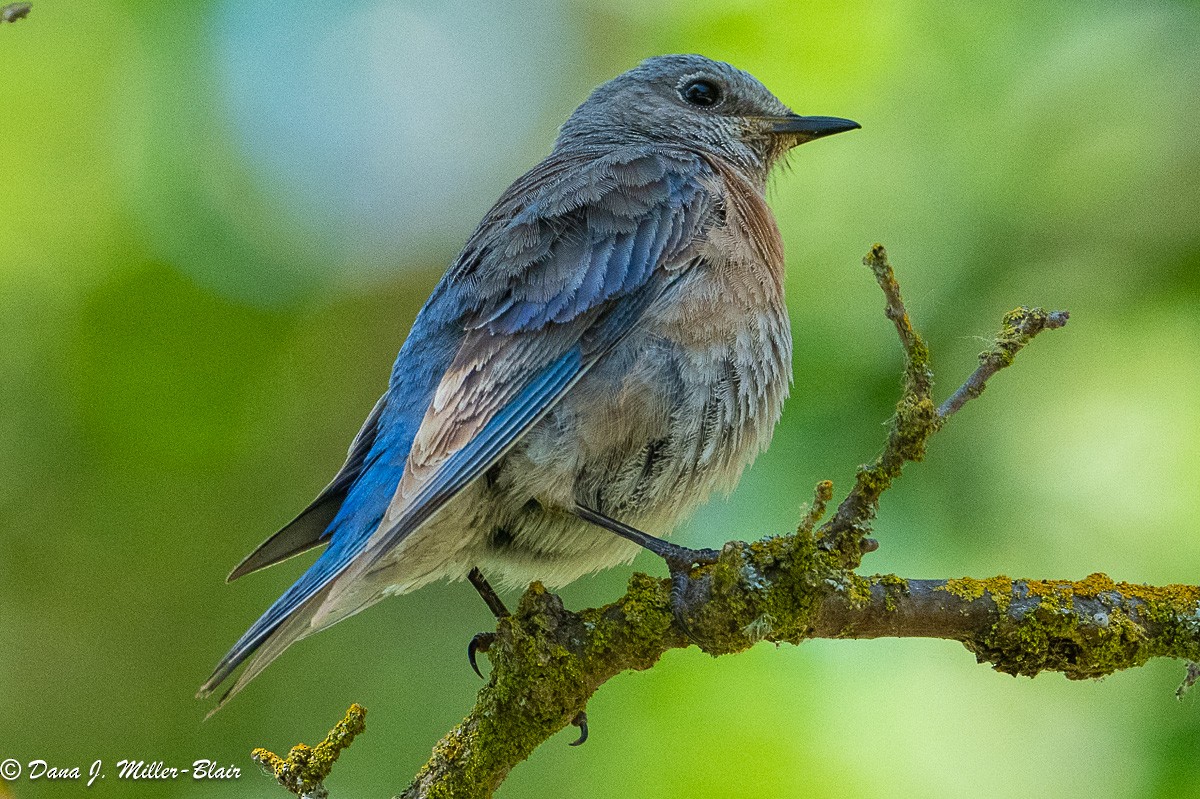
column 425, row 355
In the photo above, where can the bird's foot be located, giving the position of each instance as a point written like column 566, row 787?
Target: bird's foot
column 685, row 594
column 482, row 642
column 680, row 562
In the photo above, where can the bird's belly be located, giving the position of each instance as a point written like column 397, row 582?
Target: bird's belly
column 673, row 413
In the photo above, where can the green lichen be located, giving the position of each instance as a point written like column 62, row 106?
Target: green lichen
column 304, row 769
column 760, row 629
column 1017, row 328
column 780, row 578
column 1095, row 585
column 822, row 495
column 1086, row 628
column 535, row 676
column 546, row 662
column 893, row 589
column 858, row 589
column 998, row 588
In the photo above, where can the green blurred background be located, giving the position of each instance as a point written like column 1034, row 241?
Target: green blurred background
column 217, row 221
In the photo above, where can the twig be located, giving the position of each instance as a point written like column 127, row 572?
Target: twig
column 916, row 419
column 1019, row 328
column 916, row 369
column 304, row 770
column 914, row 422
column 822, row 494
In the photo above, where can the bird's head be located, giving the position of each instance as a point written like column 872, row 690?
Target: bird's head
column 694, row 102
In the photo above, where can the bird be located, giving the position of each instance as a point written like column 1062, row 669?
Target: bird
column 610, row 347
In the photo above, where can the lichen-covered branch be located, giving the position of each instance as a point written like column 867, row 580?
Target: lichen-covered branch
column 547, row 661
column 304, row 770
column 1083, row 629
column 915, row 420
column 1020, row 326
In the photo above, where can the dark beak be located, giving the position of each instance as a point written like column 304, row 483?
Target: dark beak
column 809, row 128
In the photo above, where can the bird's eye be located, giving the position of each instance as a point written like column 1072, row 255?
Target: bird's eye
column 703, row 93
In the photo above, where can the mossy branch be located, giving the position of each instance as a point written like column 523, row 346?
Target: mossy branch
column 547, row 661
column 304, row 770
column 915, row 420
column 1020, row 326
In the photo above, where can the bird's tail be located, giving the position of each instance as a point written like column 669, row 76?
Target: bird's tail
column 331, row 604
column 263, row 648
column 300, row 612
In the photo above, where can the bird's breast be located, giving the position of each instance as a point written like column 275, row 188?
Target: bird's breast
column 683, row 404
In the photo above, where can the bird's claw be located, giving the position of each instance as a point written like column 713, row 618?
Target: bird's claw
column 680, row 559
column 480, row 642
column 580, row 721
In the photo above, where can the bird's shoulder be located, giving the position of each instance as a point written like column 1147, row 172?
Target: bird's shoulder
column 626, row 180
column 582, row 227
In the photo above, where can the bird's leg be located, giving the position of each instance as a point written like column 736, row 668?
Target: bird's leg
column 680, row 559
column 494, row 602
column 676, row 556
column 482, row 642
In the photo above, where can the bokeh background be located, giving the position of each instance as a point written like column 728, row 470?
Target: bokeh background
column 218, row 219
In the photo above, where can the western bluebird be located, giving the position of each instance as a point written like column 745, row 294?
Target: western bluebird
column 610, row 346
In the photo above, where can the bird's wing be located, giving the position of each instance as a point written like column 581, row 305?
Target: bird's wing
column 310, row 528
column 578, row 269
column 559, row 271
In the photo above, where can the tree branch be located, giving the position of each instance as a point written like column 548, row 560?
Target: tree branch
column 304, row 770
column 1084, row 629
column 1020, row 326
column 547, row 661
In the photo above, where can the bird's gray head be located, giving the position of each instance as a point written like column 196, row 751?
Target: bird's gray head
column 694, row 102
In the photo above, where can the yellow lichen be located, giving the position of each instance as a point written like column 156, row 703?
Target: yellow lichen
column 893, row 587
column 306, row 767
column 1127, row 624
column 1096, row 584
column 999, row 588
